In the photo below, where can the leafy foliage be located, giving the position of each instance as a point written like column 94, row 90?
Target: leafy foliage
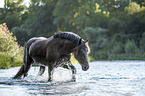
column 130, row 48
column 98, row 40
column 12, row 13
column 40, row 20
column 115, row 27
column 133, row 8
column 21, row 34
column 10, row 51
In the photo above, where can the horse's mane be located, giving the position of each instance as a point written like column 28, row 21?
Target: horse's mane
column 69, row 36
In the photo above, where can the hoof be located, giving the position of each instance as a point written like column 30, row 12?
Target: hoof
column 49, row 80
column 73, row 80
column 25, row 74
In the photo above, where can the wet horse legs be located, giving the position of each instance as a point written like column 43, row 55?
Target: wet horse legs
column 41, row 70
column 70, row 66
column 24, row 68
column 50, row 70
column 73, row 72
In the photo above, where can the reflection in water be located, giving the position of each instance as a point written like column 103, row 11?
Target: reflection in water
column 58, row 89
column 10, row 87
column 104, row 78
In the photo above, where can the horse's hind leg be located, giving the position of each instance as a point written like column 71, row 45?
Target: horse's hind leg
column 41, row 71
column 24, row 69
column 26, row 66
column 19, row 73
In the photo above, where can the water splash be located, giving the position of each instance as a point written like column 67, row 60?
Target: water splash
column 61, row 75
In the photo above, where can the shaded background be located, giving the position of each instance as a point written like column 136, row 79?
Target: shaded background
column 116, row 28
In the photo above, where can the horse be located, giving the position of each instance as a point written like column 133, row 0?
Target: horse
column 54, row 52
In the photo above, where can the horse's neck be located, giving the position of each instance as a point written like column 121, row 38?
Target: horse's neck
column 68, row 46
column 59, row 47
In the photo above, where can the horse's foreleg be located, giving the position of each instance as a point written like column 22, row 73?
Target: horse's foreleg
column 70, row 66
column 73, row 72
column 41, row 71
column 50, row 71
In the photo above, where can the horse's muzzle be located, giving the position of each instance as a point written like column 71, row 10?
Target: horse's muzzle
column 85, row 67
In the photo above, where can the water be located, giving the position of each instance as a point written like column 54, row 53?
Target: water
column 104, row 78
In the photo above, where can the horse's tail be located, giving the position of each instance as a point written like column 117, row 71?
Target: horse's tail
column 23, row 67
column 19, row 73
column 27, row 61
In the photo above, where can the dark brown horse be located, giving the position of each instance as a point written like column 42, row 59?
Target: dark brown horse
column 55, row 52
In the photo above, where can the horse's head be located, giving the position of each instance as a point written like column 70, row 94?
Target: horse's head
column 81, row 54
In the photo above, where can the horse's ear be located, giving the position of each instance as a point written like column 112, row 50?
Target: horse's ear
column 86, row 40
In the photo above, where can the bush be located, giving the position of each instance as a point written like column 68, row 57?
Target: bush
column 133, row 8
column 131, row 48
column 117, row 48
column 10, row 52
column 5, row 60
column 126, row 57
column 21, row 34
column 98, row 40
column 142, row 43
column 114, row 25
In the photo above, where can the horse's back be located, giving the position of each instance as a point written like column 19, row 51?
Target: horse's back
column 32, row 40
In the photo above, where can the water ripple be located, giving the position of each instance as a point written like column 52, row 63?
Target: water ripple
column 106, row 78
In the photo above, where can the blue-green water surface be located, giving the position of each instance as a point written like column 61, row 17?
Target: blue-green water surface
column 104, row 78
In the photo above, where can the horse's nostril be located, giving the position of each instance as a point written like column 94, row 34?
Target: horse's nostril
column 85, row 68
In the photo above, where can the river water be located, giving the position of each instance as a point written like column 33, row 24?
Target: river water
column 104, row 78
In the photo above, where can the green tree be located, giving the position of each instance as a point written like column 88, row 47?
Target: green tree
column 99, row 42
column 12, row 13
column 40, row 19
column 140, row 2
column 131, row 48
column 133, row 8
column 115, row 7
column 21, row 35
column 134, row 25
column 142, row 43
column 77, row 14
column 114, row 26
